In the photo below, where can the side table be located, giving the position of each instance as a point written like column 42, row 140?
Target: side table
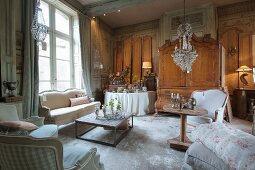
column 182, row 142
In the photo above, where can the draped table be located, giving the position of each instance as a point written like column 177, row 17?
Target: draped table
column 140, row 103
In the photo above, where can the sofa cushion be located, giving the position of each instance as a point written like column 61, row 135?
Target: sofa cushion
column 200, row 157
column 79, row 101
column 45, row 131
column 17, row 125
column 69, row 114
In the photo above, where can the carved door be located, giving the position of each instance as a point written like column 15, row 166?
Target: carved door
column 206, row 68
column 170, row 75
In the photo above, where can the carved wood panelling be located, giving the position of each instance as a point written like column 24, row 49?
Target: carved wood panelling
column 127, row 55
column 229, row 40
column 118, row 57
column 136, row 60
column 146, row 50
column 132, row 52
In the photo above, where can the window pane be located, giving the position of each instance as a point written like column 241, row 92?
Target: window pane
column 63, row 85
column 63, row 70
column 78, row 76
column 43, row 86
column 45, row 52
column 45, row 9
column 44, row 68
column 62, row 49
column 61, row 22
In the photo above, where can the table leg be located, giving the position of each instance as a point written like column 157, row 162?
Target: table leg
column 183, row 127
column 181, row 142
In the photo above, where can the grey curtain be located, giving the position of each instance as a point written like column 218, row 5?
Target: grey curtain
column 85, row 39
column 30, row 89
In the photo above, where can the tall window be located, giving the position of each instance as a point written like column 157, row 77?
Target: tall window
column 59, row 58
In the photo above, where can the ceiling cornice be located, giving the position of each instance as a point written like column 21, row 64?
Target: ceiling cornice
column 109, row 6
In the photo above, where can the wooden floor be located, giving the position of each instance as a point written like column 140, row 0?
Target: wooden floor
column 241, row 124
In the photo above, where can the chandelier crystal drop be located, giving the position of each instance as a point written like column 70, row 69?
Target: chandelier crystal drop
column 184, row 55
column 39, row 29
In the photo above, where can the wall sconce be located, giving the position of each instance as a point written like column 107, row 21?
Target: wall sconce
column 147, row 65
column 244, row 69
column 232, row 51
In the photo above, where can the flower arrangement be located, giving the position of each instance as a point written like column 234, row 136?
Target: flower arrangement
column 114, row 105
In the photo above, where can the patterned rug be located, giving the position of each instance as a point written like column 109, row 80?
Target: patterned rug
column 144, row 148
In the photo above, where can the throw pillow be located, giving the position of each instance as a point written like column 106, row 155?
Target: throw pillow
column 79, row 101
column 17, row 125
column 80, row 95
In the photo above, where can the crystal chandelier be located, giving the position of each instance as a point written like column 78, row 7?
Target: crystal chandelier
column 39, row 29
column 185, row 55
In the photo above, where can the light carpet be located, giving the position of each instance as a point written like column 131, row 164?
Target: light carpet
column 144, row 148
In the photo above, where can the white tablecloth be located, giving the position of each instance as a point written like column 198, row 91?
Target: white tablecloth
column 137, row 103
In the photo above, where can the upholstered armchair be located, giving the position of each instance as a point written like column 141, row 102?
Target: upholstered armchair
column 28, row 153
column 214, row 101
column 9, row 113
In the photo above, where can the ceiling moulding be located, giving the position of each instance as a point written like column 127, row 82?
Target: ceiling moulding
column 236, row 8
column 70, row 6
column 109, row 6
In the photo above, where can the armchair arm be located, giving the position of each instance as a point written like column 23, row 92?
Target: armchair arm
column 44, row 111
column 219, row 115
column 76, row 158
column 38, row 121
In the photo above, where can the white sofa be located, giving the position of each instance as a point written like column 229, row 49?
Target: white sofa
column 55, row 106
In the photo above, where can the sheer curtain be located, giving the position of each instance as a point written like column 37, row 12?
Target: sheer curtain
column 30, row 89
column 85, row 38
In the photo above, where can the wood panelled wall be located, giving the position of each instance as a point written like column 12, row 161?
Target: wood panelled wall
column 236, row 27
column 132, row 52
column 135, row 44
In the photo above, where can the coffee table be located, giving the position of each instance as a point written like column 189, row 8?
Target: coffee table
column 101, row 122
column 182, row 142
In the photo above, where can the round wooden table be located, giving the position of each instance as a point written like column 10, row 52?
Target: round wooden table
column 182, row 142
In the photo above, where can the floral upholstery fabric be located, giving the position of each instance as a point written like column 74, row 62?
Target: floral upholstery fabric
column 236, row 148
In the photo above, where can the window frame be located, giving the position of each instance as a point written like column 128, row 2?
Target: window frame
column 53, row 35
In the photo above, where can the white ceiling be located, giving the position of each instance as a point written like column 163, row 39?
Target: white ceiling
column 138, row 11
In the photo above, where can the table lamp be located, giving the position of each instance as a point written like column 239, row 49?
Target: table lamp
column 244, row 69
column 147, row 66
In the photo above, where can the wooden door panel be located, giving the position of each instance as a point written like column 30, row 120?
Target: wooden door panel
column 170, row 74
column 205, row 70
column 136, row 59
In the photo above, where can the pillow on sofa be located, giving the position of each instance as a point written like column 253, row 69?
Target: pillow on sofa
column 79, row 101
column 17, row 125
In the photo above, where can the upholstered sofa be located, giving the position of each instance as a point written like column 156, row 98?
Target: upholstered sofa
column 8, row 113
column 218, row 147
column 55, row 106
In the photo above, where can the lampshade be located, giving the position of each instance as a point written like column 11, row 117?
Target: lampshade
column 244, row 68
column 147, row 64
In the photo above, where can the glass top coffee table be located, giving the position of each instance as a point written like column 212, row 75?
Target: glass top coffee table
column 110, row 124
